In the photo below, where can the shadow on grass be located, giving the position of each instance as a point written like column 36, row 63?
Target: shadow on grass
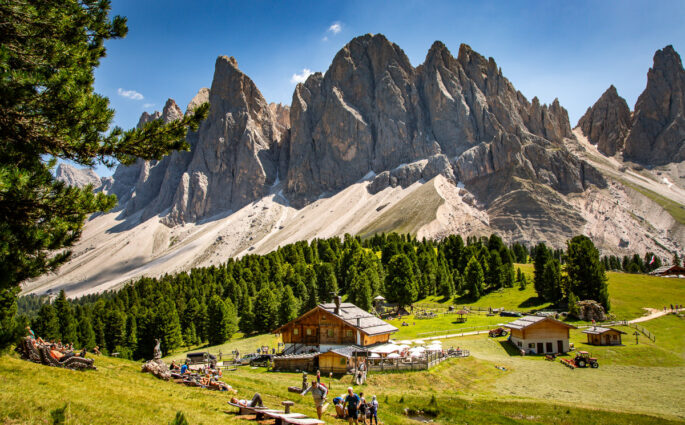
column 509, row 348
column 532, row 302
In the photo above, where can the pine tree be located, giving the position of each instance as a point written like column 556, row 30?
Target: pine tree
column 586, row 275
column 265, row 311
column 115, row 330
column 495, row 278
column 132, row 333
column 218, row 326
column 49, row 53
column 540, row 257
column 473, row 278
column 573, row 309
column 288, row 308
column 47, row 323
column 401, row 283
column 326, row 281
column 364, row 298
column 65, row 316
column 508, row 275
column 86, row 334
column 167, row 327
column 523, row 283
column 551, row 278
column 676, row 259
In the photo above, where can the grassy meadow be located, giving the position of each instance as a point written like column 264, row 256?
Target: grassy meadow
column 635, row 383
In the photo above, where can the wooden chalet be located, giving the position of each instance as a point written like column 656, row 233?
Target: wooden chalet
column 669, row 271
column 333, row 325
column 597, row 335
column 539, row 335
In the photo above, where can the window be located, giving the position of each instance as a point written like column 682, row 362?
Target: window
column 296, row 331
column 531, row 345
column 348, row 333
column 331, row 333
column 342, row 361
column 309, row 332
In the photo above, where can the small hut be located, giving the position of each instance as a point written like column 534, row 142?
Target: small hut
column 296, row 362
column 597, row 335
column 341, row 360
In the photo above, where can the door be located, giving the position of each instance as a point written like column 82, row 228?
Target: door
column 541, row 348
column 560, row 346
column 549, row 348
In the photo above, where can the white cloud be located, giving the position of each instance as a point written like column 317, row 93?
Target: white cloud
column 129, row 94
column 148, row 105
column 335, row 28
column 324, row 39
column 301, row 77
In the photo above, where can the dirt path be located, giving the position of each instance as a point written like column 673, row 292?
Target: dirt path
column 653, row 314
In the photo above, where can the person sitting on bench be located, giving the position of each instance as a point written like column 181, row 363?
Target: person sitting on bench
column 255, row 402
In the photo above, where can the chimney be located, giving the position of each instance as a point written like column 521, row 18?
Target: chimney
column 358, row 320
column 337, row 305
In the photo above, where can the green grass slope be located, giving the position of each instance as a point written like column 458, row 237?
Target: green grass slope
column 464, row 391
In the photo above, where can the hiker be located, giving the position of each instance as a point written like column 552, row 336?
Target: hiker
column 319, row 393
column 374, row 411
column 96, row 350
column 352, row 402
column 184, row 368
column 30, row 334
column 220, row 354
column 362, row 408
column 255, row 402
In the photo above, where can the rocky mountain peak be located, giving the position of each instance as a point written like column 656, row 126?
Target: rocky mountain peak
column 201, row 97
column 657, row 135
column 607, row 122
column 78, row 177
column 171, row 112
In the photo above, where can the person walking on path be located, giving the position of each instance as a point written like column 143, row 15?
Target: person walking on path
column 319, row 393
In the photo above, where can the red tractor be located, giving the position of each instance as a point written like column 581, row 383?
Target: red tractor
column 583, row 359
column 494, row 333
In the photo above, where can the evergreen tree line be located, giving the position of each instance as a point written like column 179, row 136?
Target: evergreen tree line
column 257, row 293
column 581, row 277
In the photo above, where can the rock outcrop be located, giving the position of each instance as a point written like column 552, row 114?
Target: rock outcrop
column 459, row 117
column 607, row 122
column 78, row 177
column 657, row 135
column 235, row 158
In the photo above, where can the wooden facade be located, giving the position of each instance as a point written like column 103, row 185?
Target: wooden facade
column 540, row 335
column 330, row 326
column 603, row 336
column 335, row 362
column 318, row 327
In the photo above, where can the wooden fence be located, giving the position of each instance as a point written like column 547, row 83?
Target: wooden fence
column 421, row 363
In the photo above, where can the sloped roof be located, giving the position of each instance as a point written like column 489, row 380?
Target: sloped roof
column 368, row 323
column 598, row 330
column 349, row 313
column 526, row 321
column 347, row 351
column 297, row 356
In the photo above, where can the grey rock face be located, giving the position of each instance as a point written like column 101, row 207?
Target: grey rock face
column 657, row 135
column 236, row 154
column 373, row 111
column 607, row 123
column 78, row 177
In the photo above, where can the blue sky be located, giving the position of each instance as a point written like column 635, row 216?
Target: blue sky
column 571, row 50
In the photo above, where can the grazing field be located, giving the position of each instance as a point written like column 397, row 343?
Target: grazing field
column 628, row 295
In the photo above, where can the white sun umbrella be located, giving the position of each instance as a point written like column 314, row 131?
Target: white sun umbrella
column 404, row 342
column 374, row 356
column 419, row 342
column 417, row 350
column 403, row 347
column 393, row 356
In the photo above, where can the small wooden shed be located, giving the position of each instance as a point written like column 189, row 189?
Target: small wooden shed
column 296, row 362
column 341, row 360
column 598, row 335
